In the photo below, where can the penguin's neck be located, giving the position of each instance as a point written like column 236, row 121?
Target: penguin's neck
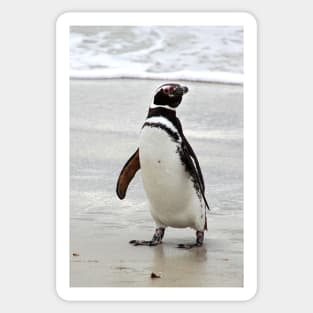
column 169, row 114
column 165, row 106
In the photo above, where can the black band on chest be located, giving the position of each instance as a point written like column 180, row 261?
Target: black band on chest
column 169, row 114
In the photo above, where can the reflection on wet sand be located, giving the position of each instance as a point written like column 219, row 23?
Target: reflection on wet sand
column 176, row 267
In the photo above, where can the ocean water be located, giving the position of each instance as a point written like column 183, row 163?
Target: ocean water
column 202, row 53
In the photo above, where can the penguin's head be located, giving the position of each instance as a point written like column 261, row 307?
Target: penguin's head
column 169, row 94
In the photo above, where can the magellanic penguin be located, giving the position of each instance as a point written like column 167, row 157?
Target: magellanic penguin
column 170, row 170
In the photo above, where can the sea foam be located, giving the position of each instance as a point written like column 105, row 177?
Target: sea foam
column 211, row 77
column 201, row 54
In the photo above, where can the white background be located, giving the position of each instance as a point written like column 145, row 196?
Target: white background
column 27, row 167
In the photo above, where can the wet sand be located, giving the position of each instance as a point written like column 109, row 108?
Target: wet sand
column 104, row 132
column 109, row 260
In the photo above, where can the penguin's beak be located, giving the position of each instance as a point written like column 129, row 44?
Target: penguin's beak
column 180, row 90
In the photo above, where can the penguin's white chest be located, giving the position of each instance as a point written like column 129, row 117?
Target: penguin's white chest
column 173, row 199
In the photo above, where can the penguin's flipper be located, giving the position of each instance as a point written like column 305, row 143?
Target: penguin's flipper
column 127, row 174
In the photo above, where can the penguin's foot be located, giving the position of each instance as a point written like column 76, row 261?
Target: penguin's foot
column 156, row 239
column 144, row 243
column 198, row 243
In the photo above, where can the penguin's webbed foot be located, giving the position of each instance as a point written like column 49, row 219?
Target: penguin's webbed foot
column 156, row 239
column 144, row 243
column 198, row 243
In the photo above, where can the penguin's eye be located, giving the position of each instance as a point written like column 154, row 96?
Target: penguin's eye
column 167, row 90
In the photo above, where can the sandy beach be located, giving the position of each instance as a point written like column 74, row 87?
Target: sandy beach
column 106, row 117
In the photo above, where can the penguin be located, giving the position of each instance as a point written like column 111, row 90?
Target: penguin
column 171, row 173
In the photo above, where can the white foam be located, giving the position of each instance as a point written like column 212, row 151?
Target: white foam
column 205, row 76
column 202, row 54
